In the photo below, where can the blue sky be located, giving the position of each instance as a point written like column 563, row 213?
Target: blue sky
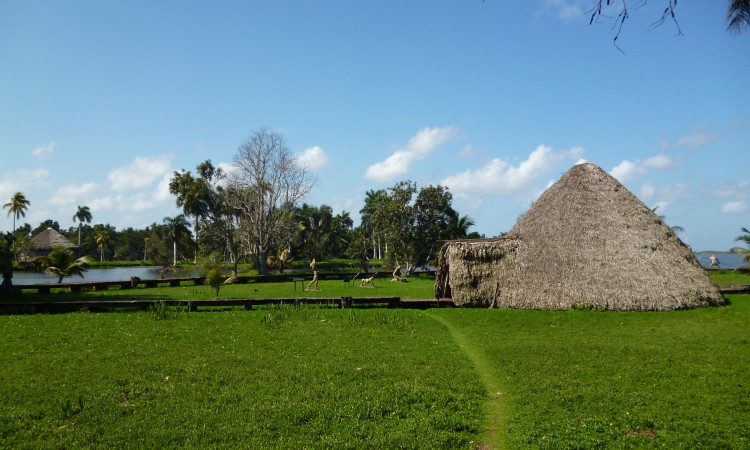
column 101, row 101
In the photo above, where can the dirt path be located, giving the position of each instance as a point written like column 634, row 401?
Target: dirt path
column 494, row 405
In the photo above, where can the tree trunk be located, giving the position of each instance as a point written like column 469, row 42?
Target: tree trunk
column 174, row 253
column 261, row 263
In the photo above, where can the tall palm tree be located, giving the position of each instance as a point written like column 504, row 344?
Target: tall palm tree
column 17, row 206
column 177, row 226
column 83, row 215
column 102, row 239
column 738, row 16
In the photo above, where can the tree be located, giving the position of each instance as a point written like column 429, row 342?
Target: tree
column 412, row 228
column 459, row 227
column 372, row 199
column 434, row 215
column 177, row 226
column 745, row 237
column 738, row 14
column 61, row 263
column 6, row 259
column 264, row 188
column 18, row 205
column 83, row 215
column 102, row 239
column 194, row 195
column 676, row 228
column 203, row 198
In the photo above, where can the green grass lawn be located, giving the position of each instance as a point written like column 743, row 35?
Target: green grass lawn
column 316, row 377
column 415, row 287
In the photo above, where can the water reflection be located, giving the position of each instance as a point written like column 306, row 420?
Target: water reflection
column 108, row 274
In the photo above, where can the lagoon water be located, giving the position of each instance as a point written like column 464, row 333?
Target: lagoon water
column 727, row 261
column 111, row 274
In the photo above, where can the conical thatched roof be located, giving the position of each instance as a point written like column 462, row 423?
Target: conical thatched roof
column 586, row 242
column 49, row 239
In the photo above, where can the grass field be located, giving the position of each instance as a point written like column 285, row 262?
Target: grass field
column 313, row 377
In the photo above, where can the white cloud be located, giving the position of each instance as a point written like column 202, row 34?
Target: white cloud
column 44, row 151
column 699, row 138
column 738, row 207
column 660, row 162
column 162, row 189
column 629, row 170
column 466, row 152
column 565, row 10
column 313, row 158
column 500, row 177
column 23, row 180
column 139, row 174
column 662, row 195
column 71, row 194
column 398, row 164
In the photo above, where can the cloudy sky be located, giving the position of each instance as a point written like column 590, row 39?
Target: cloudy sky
column 100, row 102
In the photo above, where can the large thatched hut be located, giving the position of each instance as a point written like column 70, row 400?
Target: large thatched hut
column 586, row 242
column 44, row 242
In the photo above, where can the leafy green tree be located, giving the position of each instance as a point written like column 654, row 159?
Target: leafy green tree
column 321, row 234
column 204, row 199
column 158, row 245
column 6, row 259
column 62, row 263
column 82, row 215
column 358, row 248
column 17, row 206
column 367, row 213
column 434, row 215
column 413, row 227
column 128, row 244
column 49, row 223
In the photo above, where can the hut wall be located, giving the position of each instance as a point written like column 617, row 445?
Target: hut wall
column 478, row 271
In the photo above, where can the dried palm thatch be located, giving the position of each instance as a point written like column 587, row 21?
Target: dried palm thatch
column 44, row 242
column 586, row 242
column 49, row 239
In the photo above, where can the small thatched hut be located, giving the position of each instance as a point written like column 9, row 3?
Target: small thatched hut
column 586, row 242
column 43, row 243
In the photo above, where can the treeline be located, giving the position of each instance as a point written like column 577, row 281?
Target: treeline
column 255, row 213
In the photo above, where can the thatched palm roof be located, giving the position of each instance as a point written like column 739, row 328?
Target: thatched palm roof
column 586, row 242
column 49, row 239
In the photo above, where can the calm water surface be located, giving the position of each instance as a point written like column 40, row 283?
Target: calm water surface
column 727, row 261
column 112, row 274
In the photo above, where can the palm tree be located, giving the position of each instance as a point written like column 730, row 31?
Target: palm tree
column 83, row 215
column 177, row 226
column 61, row 263
column 459, row 227
column 17, row 206
column 738, row 15
column 372, row 200
column 746, row 239
column 676, row 228
column 102, row 238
